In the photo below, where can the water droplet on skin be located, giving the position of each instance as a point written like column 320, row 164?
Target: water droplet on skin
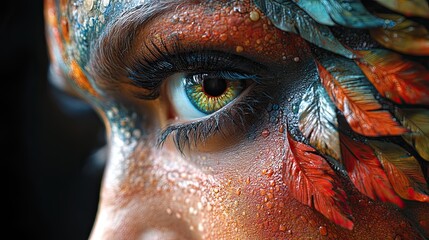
column 254, row 16
column 106, row 3
column 237, row 9
column 296, row 59
column 178, row 216
column 238, row 191
column 282, row 129
column 209, row 207
column 223, row 37
column 200, row 227
column 191, row 228
column 88, row 4
column 137, row 133
column 282, row 228
column 269, row 205
column 192, row 211
column 270, row 172
column 289, row 231
column 265, row 133
column 239, row 49
column 168, row 211
column 323, row 230
column 101, row 18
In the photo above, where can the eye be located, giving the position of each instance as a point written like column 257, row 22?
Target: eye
column 195, row 95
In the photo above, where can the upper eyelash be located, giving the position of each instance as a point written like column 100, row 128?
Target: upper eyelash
column 150, row 70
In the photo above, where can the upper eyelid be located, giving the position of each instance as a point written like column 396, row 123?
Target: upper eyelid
column 149, row 73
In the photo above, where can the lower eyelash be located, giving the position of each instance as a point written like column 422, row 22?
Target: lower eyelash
column 191, row 134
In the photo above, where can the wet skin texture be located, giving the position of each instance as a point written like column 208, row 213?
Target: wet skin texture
column 229, row 186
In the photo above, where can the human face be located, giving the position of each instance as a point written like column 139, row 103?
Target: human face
column 179, row 166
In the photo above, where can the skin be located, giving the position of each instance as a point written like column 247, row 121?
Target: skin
column 230, row 186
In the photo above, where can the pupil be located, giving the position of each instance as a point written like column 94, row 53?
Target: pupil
column 214, row 86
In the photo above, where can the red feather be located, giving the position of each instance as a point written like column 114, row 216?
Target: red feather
column 366, row 172
column 395, row 78
column 312, row 182
column 363, row 114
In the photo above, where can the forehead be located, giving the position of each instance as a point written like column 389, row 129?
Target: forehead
column 86, row 20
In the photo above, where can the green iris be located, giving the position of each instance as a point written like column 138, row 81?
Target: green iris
column 209, row 93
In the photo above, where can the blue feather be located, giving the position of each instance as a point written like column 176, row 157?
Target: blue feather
column 288, row 17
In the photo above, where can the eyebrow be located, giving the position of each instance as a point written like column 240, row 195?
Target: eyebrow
column 107, row 63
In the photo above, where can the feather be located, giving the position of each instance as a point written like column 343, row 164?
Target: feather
column 403, row 171
column 417, row 121
column 288, row 17
column 316, row 10
column 351, row 13
column 352, row 94
column 365, row 171
column 394, row 77
column 313, row 182
column 406, row 36
column 318, row 121
column 419, row 8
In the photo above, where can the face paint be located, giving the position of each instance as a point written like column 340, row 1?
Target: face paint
column 249, row 167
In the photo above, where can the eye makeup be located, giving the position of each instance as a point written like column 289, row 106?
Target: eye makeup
column 155, row 68
column 162, row 61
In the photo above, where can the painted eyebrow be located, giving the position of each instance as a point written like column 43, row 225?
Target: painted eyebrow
column 107, row 63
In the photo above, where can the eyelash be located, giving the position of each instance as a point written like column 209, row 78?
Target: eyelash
column 150, row 74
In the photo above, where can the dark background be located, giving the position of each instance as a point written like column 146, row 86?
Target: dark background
column 51, row 174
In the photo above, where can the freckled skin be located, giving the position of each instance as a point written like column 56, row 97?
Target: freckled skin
column 222, row 193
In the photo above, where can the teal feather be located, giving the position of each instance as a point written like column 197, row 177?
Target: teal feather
column 351, row 13
column 316, row 10
column 288, row 17
column 318, row 121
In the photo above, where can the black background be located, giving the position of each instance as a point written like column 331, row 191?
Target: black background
column 50, row 174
